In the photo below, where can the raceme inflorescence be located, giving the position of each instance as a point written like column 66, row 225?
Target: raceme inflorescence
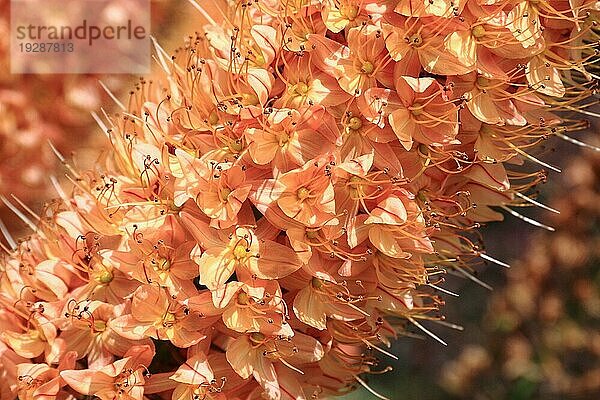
column 283, row 200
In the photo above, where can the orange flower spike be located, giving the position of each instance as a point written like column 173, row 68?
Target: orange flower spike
column 304, row 150
column 122, row 380
column 155, row 314
column 306, row 194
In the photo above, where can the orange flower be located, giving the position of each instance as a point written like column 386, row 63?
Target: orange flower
column 155, row 314
column 420, row 111
column 122, row 380
column 106, row 283
column 8, row 372
column 333, row 157
column 324, row 298
column 258, row 308
column 219, row 189
column 289, row 138
column 161, row 257
column 207, row 378
column 307, row 86
column 257, row 355
column 90, row 335
column 237, row 250
column 360, row 65
column 249, row 74
column 488, row 99
column 344, row 14
column 31, row 332
column 40, row 381
column 420, row 44
column 298, row 36
column 305, row 194
column 397, row 226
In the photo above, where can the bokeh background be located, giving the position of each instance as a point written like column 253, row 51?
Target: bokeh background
column 536, row 335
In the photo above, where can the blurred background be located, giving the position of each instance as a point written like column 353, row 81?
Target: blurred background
column 536, row 335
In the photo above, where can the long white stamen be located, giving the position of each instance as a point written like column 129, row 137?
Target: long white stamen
column 203, row 12
column 428, row 332
column 387, row 353
column 577, row 142
column 100, row 123
column 162, row 55
column 57, row 153
column 537, row 203
column 112, row 96
column 441, row 289
column 528, row 220
column 287, row 364
column 536, row 160
column 9, row 239
column 374, row 393
column 449, row 325
column 474, row 279
column 29, row 210
column 60, row 191
column 492, row 259
column 21, row 216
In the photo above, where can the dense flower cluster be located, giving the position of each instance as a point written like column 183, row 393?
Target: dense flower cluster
column 286, row 202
